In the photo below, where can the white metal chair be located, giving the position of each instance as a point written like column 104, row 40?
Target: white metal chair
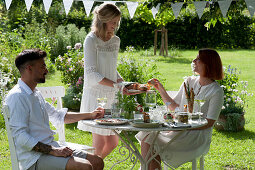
column 194, row 161
column 58, row 92
column 14, row 159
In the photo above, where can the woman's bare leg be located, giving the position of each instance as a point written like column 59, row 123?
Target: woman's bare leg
column 153, row 164
column 104, row 144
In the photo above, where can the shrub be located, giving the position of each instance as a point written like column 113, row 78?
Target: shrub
column 235, row 92
column 67, row 36
column 71, row 67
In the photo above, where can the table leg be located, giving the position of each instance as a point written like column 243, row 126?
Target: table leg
column 131, row 147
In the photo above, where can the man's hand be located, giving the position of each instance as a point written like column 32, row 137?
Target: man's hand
column 98, row 113
column 48, row 149
column 61, row 152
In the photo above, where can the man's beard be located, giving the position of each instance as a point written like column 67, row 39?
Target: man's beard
column 41, row 80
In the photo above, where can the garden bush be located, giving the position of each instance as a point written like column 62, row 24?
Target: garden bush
column 188, row 31
column 67, row 36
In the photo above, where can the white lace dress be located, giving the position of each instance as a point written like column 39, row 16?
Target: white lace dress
column 100, row 61
column 192, row 143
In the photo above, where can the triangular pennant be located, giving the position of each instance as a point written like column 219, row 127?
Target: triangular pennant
column 109, row 2
column 200, row 6
column 88, row 6
column 28, row 4
column 67, row 5
column 8, row 3
column 131, row 8
column 155, row 10
column 176, row 8
column 251, row 6
column 47, row 4
column 224, row 5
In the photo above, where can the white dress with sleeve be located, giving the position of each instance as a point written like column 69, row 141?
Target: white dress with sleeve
column 192, row 143
column 100, row 61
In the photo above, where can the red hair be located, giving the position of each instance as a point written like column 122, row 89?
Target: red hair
column 213, row 64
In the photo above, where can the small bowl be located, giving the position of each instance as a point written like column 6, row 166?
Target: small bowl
column 182, row 117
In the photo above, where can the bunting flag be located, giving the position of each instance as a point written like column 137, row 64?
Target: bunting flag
column 67, row 5
column 47, row 4
column 155, row 10
column 224, row 5
column 28, row 4
column 200, row 6
column 88, row 6
column 8, row 3
column 251, row 6
column 131, row 6
column 176, row 8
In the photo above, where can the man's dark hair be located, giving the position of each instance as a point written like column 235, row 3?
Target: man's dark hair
column 27, row 56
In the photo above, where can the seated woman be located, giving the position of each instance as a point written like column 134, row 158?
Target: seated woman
column 192, row 143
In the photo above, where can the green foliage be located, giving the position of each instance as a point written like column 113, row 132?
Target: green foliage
column 163, row 16
column 71, row 67
column 134, row 69
column 235, row 92
column 72, row 99
column 67, row 36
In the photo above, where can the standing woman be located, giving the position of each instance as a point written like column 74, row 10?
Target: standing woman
column 101, row 49
column 196, row 142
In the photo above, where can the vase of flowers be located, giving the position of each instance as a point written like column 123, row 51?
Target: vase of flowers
column 235, row 101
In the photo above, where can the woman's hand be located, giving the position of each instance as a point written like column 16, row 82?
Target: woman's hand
column 156, row 84
column 98, row 113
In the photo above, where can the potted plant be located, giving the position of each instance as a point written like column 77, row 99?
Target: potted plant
column 235, row 101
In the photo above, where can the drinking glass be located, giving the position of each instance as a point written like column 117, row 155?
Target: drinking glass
column 150, row 100
column 116, row 112
column 101, row 101
column 198, row 105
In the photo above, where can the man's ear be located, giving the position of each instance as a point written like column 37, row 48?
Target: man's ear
column 29, row 67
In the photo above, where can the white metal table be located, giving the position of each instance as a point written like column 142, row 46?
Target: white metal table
column 129, row 144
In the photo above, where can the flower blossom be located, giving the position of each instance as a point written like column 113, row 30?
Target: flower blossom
column 77, row 46
column 69, row 47
column 79, row 81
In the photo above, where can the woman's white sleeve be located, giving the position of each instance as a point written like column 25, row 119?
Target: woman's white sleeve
column 119, row 76
column 91, row 76
column 215, row 104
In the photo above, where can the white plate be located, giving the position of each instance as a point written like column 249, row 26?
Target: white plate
column 145, row 125
column 139, row 91
column 111, row 121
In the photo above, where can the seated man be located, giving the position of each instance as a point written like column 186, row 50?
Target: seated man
column 29, row 121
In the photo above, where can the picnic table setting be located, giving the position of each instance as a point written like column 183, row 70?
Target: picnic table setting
column 156, row 119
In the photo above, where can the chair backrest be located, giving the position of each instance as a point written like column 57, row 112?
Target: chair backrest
column 55, row 92
column 14, row 158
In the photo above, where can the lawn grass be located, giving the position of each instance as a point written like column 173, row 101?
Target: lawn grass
column 229, row 150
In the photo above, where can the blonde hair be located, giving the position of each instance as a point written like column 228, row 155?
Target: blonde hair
column 103, row 14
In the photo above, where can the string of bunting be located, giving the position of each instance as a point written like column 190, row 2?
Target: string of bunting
column 176, row 7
